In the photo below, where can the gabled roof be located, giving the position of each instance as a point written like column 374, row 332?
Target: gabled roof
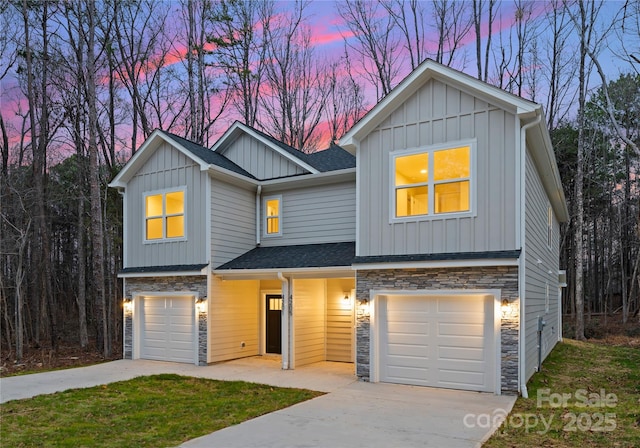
column 431, row 69
column 199, row 154
column 293, row 257
column 332, row 159
column 529, row 113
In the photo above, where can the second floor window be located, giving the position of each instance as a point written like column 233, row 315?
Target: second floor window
column 272, row 215
column 164, row 215
column 432, row 182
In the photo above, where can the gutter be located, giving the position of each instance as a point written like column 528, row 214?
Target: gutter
column 286, row 323
column 522, row 262
column 258, row 193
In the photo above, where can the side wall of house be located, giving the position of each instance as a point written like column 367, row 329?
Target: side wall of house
column 233, row 221
column 309, row 321
column 166, row 169
column 438, row 113
column 541, row 271
column 260, row 160
column 234, row 325
column 340, row 320
column 314, row 215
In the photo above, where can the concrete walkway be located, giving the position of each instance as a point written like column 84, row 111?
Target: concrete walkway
column 352, row 414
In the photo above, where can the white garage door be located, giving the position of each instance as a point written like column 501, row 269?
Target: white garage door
column 439, row 341
column 168, row 329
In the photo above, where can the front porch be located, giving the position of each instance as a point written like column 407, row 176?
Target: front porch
column 302, row 320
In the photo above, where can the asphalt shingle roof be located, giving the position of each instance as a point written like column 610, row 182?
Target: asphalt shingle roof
column 290, row 257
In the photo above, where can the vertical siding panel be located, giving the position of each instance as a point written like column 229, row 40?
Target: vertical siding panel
column 453, row 101
column 234, row 320
column 439, row 99
column 481, row 125
column 309, row 321
column 380, row 174
column 495, row 153
column 339, row 320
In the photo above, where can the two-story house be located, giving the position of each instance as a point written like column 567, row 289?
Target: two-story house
column 424, row 249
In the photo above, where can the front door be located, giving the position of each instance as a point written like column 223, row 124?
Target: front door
column 274, row 323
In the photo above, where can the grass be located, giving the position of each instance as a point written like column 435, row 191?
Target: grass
column 151, row 411
column 589, row 415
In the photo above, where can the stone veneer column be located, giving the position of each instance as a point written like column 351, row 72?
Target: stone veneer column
column 202, row 333
column 195, row 283
column 473, row 278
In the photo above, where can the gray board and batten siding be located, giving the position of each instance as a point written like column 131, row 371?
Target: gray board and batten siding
column 541, row 270
column 166, row 169
column 438, row 113
column 260, row 160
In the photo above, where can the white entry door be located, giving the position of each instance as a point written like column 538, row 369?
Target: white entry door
column 437, row 340
column 167, row 329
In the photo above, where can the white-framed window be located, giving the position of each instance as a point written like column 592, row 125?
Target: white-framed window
column 549, row 227
column 433, row 182
column 164, row 215
column 272, row 211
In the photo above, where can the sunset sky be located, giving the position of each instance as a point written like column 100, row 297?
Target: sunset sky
column 329, row 34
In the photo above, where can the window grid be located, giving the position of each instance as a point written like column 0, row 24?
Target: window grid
column 164, row 216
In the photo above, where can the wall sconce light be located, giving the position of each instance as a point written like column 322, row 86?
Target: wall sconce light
column 509, row 309
column 200, row 303
column 346, row 297
column 505, row 302
column 127, row 303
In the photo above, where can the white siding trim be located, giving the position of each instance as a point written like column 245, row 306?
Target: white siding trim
column 490, row 262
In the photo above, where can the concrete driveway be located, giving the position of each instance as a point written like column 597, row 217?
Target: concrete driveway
column 351, row 414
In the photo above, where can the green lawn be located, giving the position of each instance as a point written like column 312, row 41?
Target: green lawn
column 587, row 395
column 152, row 411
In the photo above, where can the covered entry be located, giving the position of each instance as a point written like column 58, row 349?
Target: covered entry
column 439, row 340
column 167, row 328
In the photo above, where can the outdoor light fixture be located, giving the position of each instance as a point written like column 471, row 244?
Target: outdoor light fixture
column 127, row 303
column 346, row 297
column 505, row 302
column 200, row 305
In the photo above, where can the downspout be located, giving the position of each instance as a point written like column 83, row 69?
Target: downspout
column 258, row 192
column 522, row 267
column 285, row 321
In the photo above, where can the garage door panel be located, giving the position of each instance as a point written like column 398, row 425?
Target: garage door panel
column 440, row 341
column 460, row 329
column 460, row 304
column 461, row 353
column 168, row 330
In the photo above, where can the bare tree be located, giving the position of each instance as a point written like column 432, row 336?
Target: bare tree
column 409, row 18
column 482, row 54
column 561, row 63
column 345, row 99
column 373, row 41
column 293, row 101
column 452, row 24
column 240, row 30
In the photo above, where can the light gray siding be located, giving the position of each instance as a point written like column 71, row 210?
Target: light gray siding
column 435, row 114
column 260, row 160
column 233, row 221
column 167, row 168
column 541, row 271
column 313, row 215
